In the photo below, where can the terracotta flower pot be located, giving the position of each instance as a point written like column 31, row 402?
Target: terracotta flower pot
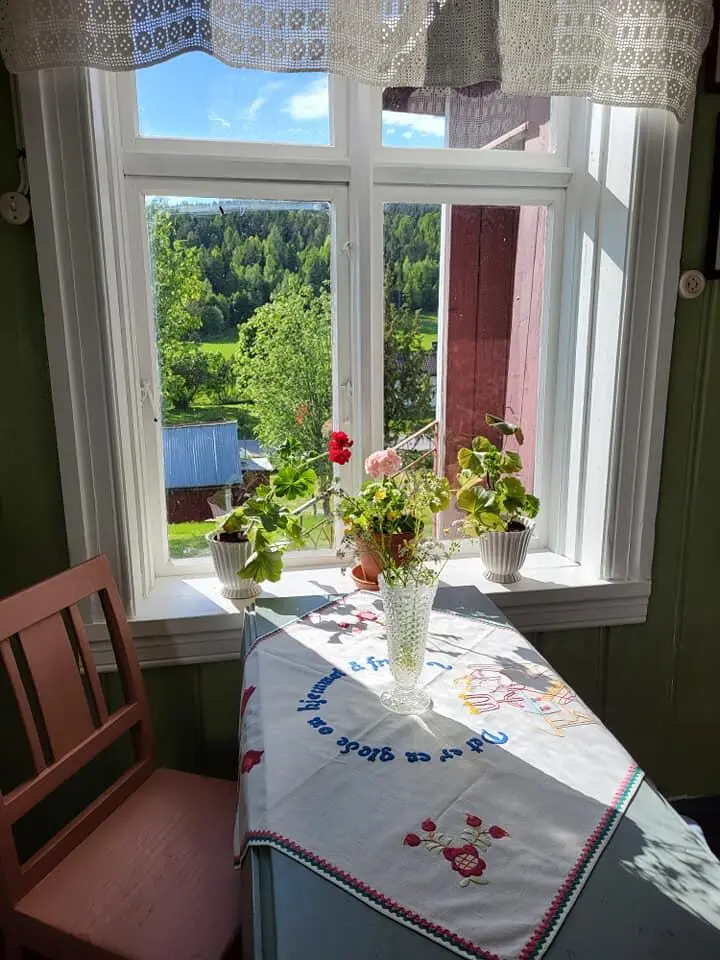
column 371, row 562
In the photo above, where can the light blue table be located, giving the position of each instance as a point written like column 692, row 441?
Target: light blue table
column 653, row 895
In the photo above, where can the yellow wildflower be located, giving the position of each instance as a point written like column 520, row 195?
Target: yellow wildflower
column 380, row 495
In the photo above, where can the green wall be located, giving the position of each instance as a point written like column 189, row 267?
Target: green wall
column 32, row 527
column 654, row 685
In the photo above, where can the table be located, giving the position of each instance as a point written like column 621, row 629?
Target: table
column 654, row 893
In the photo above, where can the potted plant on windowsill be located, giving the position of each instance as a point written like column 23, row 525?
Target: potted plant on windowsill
column 248, row 544
column 390, row 513
column 499, row 510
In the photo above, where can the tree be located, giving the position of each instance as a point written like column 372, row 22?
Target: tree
column 285, row 368
column 408, row 386
column 178, row 289
column 213, row 320
column 220, row 382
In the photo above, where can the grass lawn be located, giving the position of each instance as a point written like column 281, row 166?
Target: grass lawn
column 211, row 413
column 226, row 347
column 428, row 330
column 188, row 539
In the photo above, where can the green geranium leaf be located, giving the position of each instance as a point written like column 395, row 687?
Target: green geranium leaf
column 504, row 427
column 510, row 462
column 474, row 499
column 469, row 460
column 532, row 505
column 235, row 522
column 264, row 564
column 483, row 445
column 491, row 521
column 294, row 530
column 291, row 483
column 511, row 494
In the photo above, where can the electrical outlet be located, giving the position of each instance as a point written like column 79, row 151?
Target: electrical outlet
column 15, row 208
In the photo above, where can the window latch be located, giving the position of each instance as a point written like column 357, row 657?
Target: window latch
column 148, row 394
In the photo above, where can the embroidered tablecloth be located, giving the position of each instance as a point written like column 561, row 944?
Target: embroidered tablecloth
column 475, row 824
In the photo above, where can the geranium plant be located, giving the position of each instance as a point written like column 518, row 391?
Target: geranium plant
column 269, row 519
column 393, row 500
column 490, row 493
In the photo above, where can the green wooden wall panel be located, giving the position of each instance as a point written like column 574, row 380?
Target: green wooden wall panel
column 579, row 657
column 220, row 689
column 32, row 526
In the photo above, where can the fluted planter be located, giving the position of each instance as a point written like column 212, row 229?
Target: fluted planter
column 228, row 558
column 504, row 553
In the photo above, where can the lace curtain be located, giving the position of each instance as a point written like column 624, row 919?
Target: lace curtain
column 627, row 52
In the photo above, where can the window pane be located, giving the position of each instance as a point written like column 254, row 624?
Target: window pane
column 488, row 308
column 480, row 117
column 195, row 96
column 243, row 323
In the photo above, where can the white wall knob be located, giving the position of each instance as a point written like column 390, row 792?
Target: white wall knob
column 15, row 208
column 692, row 284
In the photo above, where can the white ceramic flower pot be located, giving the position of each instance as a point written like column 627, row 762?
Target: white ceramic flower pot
column 228, row 558
column 503, row 554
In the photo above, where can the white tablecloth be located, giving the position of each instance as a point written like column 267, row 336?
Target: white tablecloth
column 475, row 824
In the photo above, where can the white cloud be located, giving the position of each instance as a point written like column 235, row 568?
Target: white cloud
column 214, row 118
column 311, row 103
column 408, row 135
column 251, row 112
column 417, row 123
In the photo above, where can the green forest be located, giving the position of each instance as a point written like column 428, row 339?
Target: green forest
column 243, row 315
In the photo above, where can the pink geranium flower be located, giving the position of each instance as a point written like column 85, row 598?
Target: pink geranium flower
column 382, row 463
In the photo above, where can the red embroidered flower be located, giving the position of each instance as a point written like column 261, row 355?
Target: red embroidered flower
column 473, row 821
column 412, row 840
column 429, row 826
column 497, row 833
column 344, row 624
column 339, row 447
column 466, row 860
column 247, row 693
column 250, row 759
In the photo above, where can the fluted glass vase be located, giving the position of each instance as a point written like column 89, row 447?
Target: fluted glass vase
column 407, row 620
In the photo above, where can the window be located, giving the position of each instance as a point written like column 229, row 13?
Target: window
column 257, row 290
column 446, row 276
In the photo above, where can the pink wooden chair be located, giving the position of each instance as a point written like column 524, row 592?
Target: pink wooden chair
column 143, row 873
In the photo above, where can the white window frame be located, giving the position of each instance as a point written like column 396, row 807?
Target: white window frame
column 73, row 125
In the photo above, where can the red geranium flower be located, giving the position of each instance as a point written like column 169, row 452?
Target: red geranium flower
column 412, row 840
column 466, row 860
column 250, row 759
column 339, row 447
column 429, row 825
column 473, row 821
column 497, row 833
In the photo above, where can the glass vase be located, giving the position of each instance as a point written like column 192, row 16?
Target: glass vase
column 407, row 620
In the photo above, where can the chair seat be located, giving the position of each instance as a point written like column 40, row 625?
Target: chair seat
column 155, row 880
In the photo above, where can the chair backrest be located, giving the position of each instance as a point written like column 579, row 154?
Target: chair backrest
column 49, row 671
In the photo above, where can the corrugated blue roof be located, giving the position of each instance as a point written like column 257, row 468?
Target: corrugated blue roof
column 201, row 455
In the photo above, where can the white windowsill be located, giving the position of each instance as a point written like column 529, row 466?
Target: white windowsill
column 186, row 620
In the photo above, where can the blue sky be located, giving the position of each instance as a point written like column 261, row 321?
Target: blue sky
column 195, row 95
